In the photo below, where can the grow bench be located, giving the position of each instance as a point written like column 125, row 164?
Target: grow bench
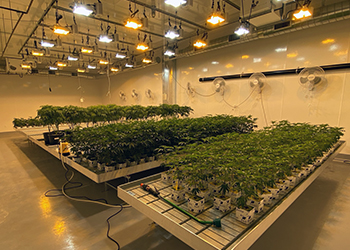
column 233, row 234
column 35, row 136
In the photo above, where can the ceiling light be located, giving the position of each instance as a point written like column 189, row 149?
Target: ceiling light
column 103, row 61
column 59, row 30
column 82, row 9
column 175, row 3
column 81, row 70
column 199, row 44
column 242, row 30
column 47, row 44
column 216, row 18
column 105, row 38
column 129, row 65
column 73, row 58
column 147, row 60
column 172, row 34
column 37, row 53
column 120, row 55
column 86, row 50
column 169, row 52
column 91, row 66
column 26, row 66
column 61, row 64
column 114, row 69
column 142, row 46
column 302, row 13
column 52, row 68
column 133, row 23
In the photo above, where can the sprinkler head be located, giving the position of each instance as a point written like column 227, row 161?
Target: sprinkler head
column 217, row 222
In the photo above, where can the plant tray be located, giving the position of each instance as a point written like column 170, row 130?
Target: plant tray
column 233, row 234
column 36, row 136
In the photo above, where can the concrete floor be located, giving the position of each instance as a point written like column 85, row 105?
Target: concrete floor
column 319, row 219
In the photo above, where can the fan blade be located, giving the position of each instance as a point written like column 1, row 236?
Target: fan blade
column 303, row 80
column 316, row 80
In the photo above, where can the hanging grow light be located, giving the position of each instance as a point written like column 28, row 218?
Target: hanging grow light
column 47, row 44
column 147, row 60
column 37, row 53
column 129, row 65
column 61, row 64
column 142, row 46
column 82, row 9
column 243, row 29
column 81, row 70
column 120, row 55
column 103, row 61
column 302, row 13
column 86, row 50
column 26, row 66
column 53, row 68
column 175, row 3
column 105, row 38
column 169, row 52
column 73, row 58
column 172, row 34
column 59, row 30
column 216, row 18
column 114, row 69
column 199, row 44
column 90, row 66
column 133, row 23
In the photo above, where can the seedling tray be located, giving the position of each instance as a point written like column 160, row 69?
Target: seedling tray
column 233, row 234
column 35, row 135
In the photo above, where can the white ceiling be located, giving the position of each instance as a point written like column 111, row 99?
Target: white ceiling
column 21, row 26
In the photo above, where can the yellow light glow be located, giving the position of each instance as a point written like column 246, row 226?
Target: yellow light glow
column 59, row 227
column 133, row 24
column 104, row 62
column 291, row 55
column 190, row 68
column 329, row 40
column 25, row 66
column 86, row 50
column 45, row 205
column 245, row 56
column 61, row 64
column 142, row 46
column 81, row 70
column 229, row 65
column 113, row 69
column 341, row 53
column 216, row 18
column 146, row 60
column 60, row 30
column 303, row 13
column 199, row 44
column 37, row 53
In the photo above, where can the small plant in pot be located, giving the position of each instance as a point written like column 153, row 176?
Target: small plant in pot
column 222, row 202
column 195, row 203
column 177, row 191
column 244, row 212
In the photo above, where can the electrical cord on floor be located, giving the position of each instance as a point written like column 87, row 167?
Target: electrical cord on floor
column 109, row 227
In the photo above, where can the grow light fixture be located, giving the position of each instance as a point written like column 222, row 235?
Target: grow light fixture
column 90, row 66
column 47, row 44
column 129, row 65
column 216, row 18
column 175, row 3
column 59, row 30
column 105, row 38
column 199, row 44
column 81, row 70
column 302, row 13
column 61, row 64
column 37, row 53
column 172, row 34
column 169, row 52
column 147, row 60
column 114, row 69
column 243, row 29
column 133, row 23
column 142, row 46
column 73, row 58
column 53, row 68
column 26, row 66
column 120, row 55
column 86, row 50
column 82, row 9
column 103, row 61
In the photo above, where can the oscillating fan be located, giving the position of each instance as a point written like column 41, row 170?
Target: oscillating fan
column 149, row 94
column 257, row 81
column 219, row 84
column 122, row 95
column 310, row 77
column 134, row 94
column 190, row 90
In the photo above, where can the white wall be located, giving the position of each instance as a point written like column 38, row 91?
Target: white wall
column 22, row 97
column 283, row 97
column 140, row 80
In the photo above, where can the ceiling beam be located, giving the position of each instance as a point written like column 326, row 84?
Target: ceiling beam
column 232, row 4
column 107, row 21
column 169, row 14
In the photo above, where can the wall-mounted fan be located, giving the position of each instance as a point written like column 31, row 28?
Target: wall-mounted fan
column 219, row 84
column 149, row 94
column 134, row 94
column 311, row 77
column 122, row 95
column 190, row 89
column 257, row 81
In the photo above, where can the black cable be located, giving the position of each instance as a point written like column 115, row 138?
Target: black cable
column 109, row 226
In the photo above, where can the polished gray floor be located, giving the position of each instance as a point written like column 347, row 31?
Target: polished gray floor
column 319, row 219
